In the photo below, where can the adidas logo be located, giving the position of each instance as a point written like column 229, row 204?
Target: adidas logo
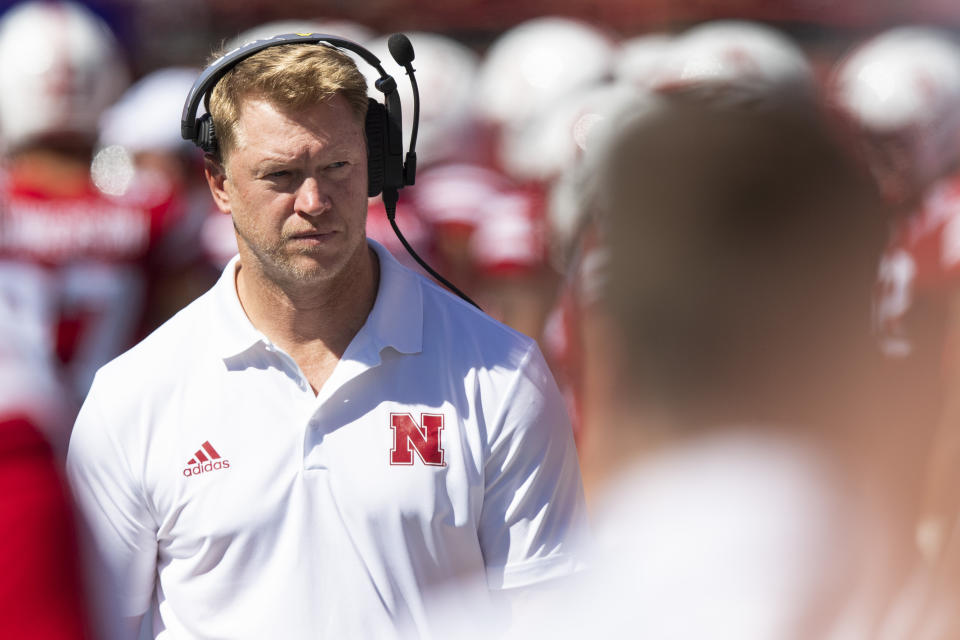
column 205, row 459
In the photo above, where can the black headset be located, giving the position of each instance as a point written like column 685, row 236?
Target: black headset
column 387, row 170
column 385, row 166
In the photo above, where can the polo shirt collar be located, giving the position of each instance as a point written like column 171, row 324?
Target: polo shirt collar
column 233, row 332
column 395, row 321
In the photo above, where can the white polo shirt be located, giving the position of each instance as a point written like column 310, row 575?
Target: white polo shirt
column 233, row 501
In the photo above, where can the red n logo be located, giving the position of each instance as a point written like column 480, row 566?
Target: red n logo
column 409, row 436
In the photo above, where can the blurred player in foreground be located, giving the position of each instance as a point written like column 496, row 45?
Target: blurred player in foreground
column 743, row 248
column 742, row 402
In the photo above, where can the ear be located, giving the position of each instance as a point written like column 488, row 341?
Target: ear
column 216, row 175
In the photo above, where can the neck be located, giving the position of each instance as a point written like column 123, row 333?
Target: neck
column 312, row 321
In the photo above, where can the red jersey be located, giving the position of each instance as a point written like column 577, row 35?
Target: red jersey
column 504, row 222
column 76, row 267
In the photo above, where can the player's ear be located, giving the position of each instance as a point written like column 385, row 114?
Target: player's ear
column 216, row 175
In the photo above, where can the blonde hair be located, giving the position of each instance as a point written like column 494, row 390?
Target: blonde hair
column 292, row 76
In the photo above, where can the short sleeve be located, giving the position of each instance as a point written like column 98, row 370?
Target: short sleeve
column 122, row 542
column 533, row 520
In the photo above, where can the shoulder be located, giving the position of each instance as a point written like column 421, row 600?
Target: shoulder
column 470, row 332
column 416, row 311
column 503, row 369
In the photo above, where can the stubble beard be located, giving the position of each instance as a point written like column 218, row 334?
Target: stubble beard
column 292, row 267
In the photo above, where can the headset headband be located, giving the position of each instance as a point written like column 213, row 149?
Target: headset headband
column 189, row 127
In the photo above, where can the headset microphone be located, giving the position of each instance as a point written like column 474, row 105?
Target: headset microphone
column 401, row 49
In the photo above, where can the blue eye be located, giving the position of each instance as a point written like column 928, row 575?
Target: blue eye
column 337, row 165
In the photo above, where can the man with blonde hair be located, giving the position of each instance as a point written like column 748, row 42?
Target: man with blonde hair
column 324, row 438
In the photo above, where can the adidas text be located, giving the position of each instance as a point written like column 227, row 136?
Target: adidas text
column 206, row 467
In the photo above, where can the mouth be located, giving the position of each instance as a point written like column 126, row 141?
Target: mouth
column 313, row 235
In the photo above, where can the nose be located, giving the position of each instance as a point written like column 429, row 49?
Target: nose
column 311, row 198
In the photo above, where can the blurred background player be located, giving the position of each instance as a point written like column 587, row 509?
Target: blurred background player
column 900, row 92
column 140, row 147
column 79, row 265
column 538, row 65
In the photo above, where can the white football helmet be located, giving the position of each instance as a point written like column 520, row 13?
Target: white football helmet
column 446, row 73
column 575, row 193
column 60, row 67
column 147, row 115
column 359, row 33
column 343, row 28
column 146, row 118
column 556, row 137
column 735, row 62
column 901, row 90
column 538, row 62
column 270, row 29
column 638, row 59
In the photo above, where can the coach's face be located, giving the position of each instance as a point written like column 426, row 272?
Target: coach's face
column 296, row 186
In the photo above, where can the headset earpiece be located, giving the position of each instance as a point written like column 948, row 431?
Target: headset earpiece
column 206, row 135
column 376, row 131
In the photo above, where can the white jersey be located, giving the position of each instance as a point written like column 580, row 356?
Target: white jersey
column 231, row 500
